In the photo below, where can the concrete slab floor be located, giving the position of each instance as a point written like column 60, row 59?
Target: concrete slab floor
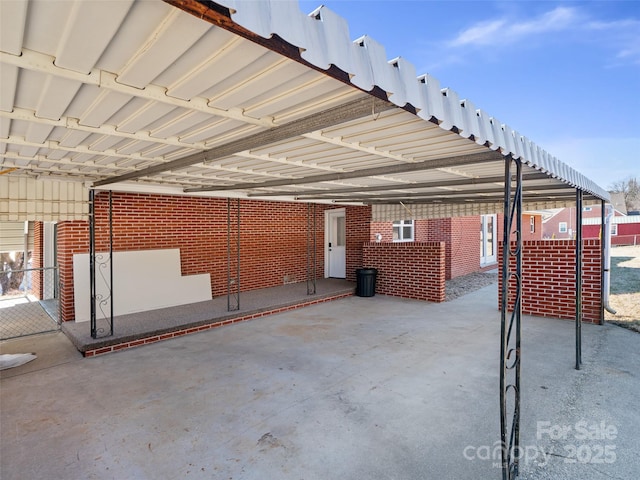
column 360, row 388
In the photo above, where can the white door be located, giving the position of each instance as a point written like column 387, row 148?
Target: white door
column 335, row 244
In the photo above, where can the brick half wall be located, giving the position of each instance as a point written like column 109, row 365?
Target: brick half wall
column 549, row 279
column 409, row 270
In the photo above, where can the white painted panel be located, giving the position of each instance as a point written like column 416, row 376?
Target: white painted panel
column 90, row 28
column 13, row 16
column 38, row 133
column 103, row 108
column 142, row 280
column 162, row 48
column 8, row 80
column 56, row 96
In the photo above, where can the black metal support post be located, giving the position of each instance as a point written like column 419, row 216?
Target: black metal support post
column 311, row 249
column 578, row 278
column 233, row 284
column 510, row 322
column 110, row 262
column 603, row 267
column 97, row 264
column 92, row 262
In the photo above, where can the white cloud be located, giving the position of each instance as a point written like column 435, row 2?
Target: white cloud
column 481, row 34
column 621, row 36
column 486, row 33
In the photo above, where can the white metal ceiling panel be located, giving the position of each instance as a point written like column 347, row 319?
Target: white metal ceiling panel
column 89, row 29
column 141, row 21
column 9, row 81
column 162, row 49
column 141, row 116
column 56, row 96
column 13, row 17
column 103, row 107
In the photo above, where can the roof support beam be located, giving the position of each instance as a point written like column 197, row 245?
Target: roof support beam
column 484, row 157
column 331, row 193
column 444, row 194
column 492, row 199
column 333, row 116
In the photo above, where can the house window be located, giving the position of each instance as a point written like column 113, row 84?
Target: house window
column 532, row 224
column 403, row 231
column 614, row 229
column 488, row 239
column 562, row 227
column 586, row 209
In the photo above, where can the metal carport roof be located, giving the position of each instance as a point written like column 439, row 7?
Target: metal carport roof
column 241, row 99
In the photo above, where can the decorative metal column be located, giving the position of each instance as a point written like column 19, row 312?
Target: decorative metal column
column 92, row 262
column 99, row 263
column 510, row 322
column 233, row 284
column 578, row 278
column 311, row 244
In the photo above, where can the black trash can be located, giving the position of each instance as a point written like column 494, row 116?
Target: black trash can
column 366, row 282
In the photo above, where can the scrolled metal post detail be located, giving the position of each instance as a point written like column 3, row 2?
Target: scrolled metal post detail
column 511, row 313
column 99, row 265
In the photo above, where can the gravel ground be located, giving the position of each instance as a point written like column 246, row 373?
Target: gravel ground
column 625, row 287
column 456, row 287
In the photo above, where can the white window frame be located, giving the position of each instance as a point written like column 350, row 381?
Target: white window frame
column 614, row 229
column 532, row 224
column 484, row 222
column 400, row 225
column 563, row 227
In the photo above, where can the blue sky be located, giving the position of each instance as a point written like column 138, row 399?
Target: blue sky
column 564, row 74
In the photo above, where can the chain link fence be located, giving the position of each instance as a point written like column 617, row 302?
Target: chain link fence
column 28, row 302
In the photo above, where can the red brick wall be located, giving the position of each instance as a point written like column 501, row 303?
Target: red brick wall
column 73, row 237
column 383, row 228
column 357, row 221
column 465, row 245
column 461, row 236
column 549, row 279
column 408, row 269
column 37, row 260
column 273, row 238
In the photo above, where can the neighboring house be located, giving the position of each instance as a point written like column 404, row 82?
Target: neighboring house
column 560, row 223
column 471, row 243
column 625, row 230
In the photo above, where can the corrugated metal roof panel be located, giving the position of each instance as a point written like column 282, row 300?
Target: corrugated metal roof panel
column 92, row 92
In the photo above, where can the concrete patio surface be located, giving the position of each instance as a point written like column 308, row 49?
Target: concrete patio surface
column 358, row 388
